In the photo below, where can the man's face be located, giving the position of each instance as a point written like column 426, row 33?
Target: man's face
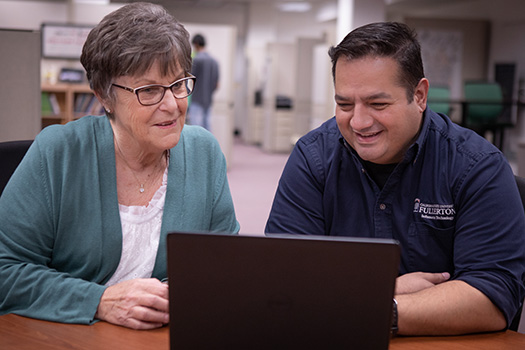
column 373, row 112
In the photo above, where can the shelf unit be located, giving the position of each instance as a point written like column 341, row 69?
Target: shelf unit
column 67, row 103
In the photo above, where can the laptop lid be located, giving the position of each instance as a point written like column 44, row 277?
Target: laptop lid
column 280, row 292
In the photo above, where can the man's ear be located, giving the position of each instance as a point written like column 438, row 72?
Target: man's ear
column 421, row 94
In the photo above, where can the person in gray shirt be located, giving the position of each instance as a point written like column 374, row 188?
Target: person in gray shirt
column 206, row 69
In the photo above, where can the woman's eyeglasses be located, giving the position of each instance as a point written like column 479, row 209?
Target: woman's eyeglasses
column 148, row 95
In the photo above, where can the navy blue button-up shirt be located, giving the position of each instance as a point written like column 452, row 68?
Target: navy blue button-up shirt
column 452, row 204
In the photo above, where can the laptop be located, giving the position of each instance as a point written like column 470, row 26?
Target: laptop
column 280, row 292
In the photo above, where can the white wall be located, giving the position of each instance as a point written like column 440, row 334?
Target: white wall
column 267, row 25
column 368, row 11
column 30, row 14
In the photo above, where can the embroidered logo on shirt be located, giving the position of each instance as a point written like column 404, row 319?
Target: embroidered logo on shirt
column 434, row 211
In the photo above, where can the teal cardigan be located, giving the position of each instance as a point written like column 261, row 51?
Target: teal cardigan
column 60, row 230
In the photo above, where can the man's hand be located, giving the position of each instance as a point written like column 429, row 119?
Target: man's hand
column 416, row 281
column 137, row 304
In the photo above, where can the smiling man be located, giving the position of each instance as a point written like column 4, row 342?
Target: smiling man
column 387, row 166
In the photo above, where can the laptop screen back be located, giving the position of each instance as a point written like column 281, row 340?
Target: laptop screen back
column 255, row 292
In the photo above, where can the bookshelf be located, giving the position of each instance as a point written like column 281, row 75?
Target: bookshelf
column 62, row 103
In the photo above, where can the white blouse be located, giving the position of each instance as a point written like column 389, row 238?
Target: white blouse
column 140, row 237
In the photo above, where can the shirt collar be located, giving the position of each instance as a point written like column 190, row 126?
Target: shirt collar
column 414, row 150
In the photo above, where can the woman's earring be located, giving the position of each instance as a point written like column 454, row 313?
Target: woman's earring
column 107, row 110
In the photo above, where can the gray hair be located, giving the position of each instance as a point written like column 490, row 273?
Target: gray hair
column 129, row 40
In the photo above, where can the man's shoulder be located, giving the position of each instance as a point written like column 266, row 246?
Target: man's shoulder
column 321, row 146
column 457, row 138
column 326, row 132
column 203, row 56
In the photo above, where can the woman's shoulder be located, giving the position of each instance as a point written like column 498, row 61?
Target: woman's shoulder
column 79, row 126
column 196, row 135
column 81, row 130
column 199, row 145
column 193, row 131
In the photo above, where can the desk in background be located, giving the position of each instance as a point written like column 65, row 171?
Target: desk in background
column 23, row 333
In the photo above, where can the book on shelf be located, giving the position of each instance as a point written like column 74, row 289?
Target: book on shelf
column 46, row 104
column 54, row 104
column 50, row 105
column 79, row 101
column 87, row 103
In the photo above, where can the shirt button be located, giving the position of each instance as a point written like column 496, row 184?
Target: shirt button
column 382, row 206
column 363, row 170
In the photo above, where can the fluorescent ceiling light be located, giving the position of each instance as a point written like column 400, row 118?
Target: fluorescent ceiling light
column 295, row 6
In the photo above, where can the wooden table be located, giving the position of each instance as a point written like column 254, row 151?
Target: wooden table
column 23, row 333
column 508, row 340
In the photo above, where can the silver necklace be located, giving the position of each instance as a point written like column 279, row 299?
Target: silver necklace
column 141, row 184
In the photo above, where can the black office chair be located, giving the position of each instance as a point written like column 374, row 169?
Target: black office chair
column 11, row 153
column 518, row 323
column 484, row 110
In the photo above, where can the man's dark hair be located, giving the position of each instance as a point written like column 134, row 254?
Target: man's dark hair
column 198, row 40
column 384, row 39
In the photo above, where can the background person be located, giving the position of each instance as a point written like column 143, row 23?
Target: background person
column 206, row 69
column 83, row 220
column 387, row 166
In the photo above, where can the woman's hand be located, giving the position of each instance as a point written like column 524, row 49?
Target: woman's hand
column 416, row 281
column 137, row 304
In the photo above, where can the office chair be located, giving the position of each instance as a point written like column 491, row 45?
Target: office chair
column 482, row 109
column 11, row 153
column 518, row 323
column 439, row 99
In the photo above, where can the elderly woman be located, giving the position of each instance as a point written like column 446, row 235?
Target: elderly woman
column 83, row 220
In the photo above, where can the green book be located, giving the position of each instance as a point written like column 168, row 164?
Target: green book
column 46, row 105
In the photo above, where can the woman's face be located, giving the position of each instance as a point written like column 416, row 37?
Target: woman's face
column 154, row 128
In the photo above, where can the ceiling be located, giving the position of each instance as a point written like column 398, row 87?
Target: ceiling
column 504, row 10
column 495, row 10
